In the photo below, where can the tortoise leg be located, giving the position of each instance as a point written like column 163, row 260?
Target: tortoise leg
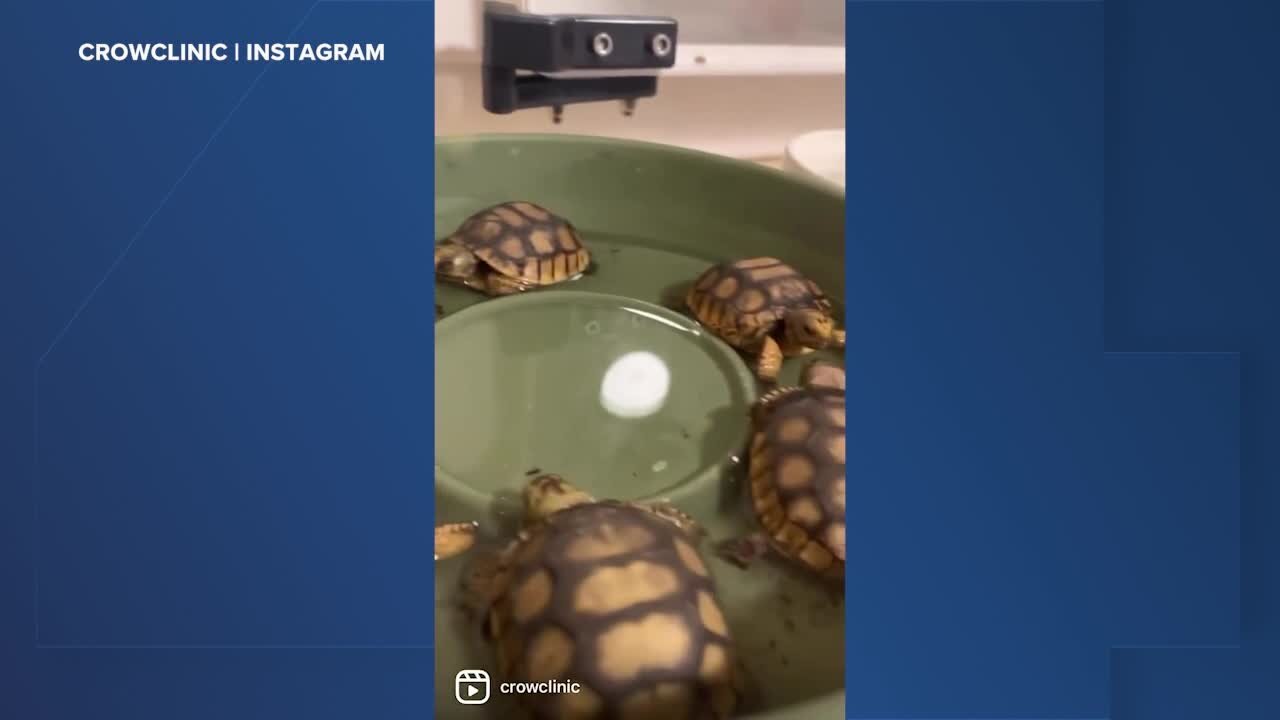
column 477, row 586
column 668, row 511
column 763, row 407
column 454, row 539
column 496, row 284
column 769, row 362
column 791, row 348
column 481, row 582
column 819, row 374
column 745, row 550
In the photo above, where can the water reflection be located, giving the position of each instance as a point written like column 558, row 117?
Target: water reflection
column 635, row 385
column 638, row 313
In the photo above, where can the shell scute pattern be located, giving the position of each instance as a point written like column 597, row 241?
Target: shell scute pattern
column 798, row 479
column 619, row 600
column 744, row 301
column 525, row 241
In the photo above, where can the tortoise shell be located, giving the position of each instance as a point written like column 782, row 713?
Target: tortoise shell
column 797, row 478
column 526, row 242
column 618, row 599
column 743, row 301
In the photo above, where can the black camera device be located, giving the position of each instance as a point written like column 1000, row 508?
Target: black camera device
column 533, row 61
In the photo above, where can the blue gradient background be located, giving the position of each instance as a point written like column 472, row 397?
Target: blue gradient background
column 1063, row 227
column 218, row 352
column 217, row 417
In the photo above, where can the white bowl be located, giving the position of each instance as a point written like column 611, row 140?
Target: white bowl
column 818, row 154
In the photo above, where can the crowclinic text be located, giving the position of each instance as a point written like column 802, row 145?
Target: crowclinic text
column 232, row 52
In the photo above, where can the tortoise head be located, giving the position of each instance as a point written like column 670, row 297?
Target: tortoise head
column 455, row 262
column 547, row 494
column 810, row 328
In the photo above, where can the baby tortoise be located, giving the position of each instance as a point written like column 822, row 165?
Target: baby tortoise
column 797, row 473
column 764, row 308
column 614, row 596
column 454, row 539
column 510, row 248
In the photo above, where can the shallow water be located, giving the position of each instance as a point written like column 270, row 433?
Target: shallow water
column 623, row 398
column 638, row 268
column 790, row 630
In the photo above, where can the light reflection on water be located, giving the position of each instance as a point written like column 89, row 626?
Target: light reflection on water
column 635, row 385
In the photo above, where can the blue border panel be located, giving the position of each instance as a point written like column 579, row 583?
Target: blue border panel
column 1191, row 261
column 1027, row 496
column 217, row 497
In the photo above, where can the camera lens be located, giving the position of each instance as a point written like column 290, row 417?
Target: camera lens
column 661, row 45
column 602, row 44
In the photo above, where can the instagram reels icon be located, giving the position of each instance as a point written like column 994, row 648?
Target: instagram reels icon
column 471, row 687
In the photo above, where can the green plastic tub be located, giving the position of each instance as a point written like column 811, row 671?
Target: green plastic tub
column 520, row 389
